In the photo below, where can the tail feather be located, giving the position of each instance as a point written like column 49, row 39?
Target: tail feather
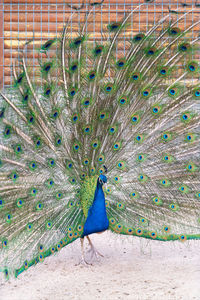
column 134, row 116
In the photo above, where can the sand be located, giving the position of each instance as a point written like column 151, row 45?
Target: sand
column 132, row 268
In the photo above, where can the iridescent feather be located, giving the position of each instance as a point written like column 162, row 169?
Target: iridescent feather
column 132, row 118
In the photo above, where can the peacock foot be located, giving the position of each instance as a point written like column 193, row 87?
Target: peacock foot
column 95, row 254
column 83, row 262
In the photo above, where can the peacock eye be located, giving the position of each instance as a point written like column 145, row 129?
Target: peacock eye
column 74, row 67
column 47, row 68
column 92, row 76
column 78, row 41
column 145, row 93
column 150, row 52
column 121, row 64
column 138, row 37
column 135, row 76
column 72, row 93
column 163, row 71
column 48, row 92
column 98, row 50
column 114, row 26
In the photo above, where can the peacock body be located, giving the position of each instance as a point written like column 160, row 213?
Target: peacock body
column 92, row 119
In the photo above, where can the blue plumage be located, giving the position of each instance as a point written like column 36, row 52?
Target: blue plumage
column 97, row 220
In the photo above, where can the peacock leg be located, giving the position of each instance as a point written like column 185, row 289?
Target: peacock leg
column 83, row 261
column 93, row 250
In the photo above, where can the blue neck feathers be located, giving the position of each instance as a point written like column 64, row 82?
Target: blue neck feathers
column 97, row 220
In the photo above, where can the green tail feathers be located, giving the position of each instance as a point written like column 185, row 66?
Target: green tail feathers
column 135, row 116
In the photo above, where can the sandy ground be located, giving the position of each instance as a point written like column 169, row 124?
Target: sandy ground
column 132, row 268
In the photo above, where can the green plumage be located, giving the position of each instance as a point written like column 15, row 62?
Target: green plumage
column 132, row 116
column 87, row 191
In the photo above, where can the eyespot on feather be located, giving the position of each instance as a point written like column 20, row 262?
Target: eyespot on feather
column 114, row 26
column 138, row 37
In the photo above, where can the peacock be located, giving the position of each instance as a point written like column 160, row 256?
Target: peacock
column 101, row 142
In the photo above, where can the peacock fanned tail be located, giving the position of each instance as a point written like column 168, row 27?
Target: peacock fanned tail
column 136, row 117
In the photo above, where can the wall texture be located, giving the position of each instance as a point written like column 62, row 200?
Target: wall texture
column 40, row 20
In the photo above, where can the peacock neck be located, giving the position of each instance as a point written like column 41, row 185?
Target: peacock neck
column 99, row 197
column 97, row 220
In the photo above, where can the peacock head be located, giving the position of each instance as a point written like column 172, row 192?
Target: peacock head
column 102, row 179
